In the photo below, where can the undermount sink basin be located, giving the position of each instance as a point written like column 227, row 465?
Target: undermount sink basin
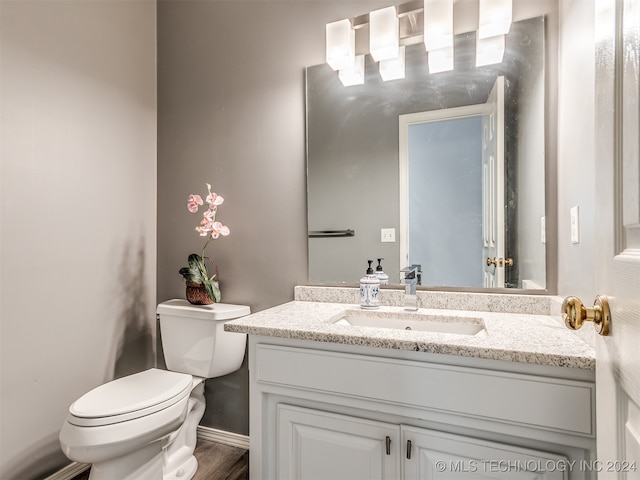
column 412, row 321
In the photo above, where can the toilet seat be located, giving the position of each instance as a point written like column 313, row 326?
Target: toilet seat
column 130, row 397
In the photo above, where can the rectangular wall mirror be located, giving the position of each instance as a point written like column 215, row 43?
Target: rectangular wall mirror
column 407, row 160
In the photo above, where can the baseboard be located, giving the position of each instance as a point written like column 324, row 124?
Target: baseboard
column 221, row 436
column 69, row 472
column 204, row 433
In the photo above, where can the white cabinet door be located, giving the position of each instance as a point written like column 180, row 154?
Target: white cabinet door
column 430, row 455
column 316, row 445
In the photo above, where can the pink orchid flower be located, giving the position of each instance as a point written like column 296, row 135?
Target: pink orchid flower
column 211, row 212
column 202, row 231
column 208, row 225
column 213, row 199
column 210, row 228
column 219, row 229
column 193, row 202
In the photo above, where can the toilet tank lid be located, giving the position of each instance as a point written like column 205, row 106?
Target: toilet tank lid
column 215, row 311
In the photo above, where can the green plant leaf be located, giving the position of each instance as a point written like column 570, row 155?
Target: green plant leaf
column 213, row 290
column 197, row 272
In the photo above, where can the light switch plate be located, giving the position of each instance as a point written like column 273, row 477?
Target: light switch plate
column 387, row 235
column 575, row 225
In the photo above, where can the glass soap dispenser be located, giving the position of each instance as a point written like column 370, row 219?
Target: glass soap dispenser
column 369, row 289
column 383, row 277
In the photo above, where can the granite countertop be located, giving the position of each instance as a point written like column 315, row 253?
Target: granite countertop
column 517, row 337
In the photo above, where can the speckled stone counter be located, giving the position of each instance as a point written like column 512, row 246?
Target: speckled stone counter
column 479, row 302
column 535, row 338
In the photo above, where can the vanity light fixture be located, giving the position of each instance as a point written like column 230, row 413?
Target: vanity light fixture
column 384, row 30
column 354, row 74
column 340, row 44
column 438, row 24
column 440, row 60
column 494, row 17
column 489, row 50
column 393, row 69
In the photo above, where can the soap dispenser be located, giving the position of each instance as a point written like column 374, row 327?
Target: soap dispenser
column 369, row 289
column 383, row 277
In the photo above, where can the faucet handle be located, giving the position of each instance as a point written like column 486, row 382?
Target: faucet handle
column 410, row 272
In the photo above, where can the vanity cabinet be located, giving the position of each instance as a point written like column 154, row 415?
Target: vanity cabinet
column 329, row 411
column 314, row 444
column 439, row 456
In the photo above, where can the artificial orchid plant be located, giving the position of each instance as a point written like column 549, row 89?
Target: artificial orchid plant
column 196, row 272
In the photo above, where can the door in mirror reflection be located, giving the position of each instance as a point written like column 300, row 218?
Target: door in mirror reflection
column 493, row 209
column 451, row 193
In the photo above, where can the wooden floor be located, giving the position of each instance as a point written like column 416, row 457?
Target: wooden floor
column 215, row 462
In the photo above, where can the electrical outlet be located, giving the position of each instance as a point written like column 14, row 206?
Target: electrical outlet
column 387, row 235
column 543, row 230
column 575, row 225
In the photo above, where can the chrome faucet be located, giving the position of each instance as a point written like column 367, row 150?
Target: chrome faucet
column 411, row 281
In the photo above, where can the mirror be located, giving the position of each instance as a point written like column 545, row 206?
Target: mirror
column 363, row 140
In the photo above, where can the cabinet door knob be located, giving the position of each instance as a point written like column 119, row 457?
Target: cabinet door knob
column 388, row 442
column 408, row 449
column 574, row 314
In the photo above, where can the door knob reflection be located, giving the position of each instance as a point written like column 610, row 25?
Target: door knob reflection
column 499, row 262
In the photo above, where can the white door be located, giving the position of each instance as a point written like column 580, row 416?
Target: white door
column 313, row 444
column 441, row 456
column 617, row 264
column 493, row 188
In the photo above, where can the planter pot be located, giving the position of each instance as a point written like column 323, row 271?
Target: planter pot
column 197, row 294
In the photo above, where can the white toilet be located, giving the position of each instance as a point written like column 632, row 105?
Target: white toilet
column 143, row 426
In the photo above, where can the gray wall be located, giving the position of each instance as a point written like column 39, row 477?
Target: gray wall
column 231, row 113
column 78, row 190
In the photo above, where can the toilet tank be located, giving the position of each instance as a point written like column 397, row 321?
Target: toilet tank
column 194, row 340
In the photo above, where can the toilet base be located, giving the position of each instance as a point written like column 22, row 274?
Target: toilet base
column 142, row 464
column 186, row 471
column 179, row 463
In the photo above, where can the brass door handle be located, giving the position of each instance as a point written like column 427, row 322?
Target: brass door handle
column 574, row 314
column 499, row 262
column 495, row 261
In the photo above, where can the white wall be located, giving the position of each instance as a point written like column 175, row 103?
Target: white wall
column 78, row 189
column 576, row 159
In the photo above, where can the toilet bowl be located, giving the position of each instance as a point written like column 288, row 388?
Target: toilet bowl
column 144, row 426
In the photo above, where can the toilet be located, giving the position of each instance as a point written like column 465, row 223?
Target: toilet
column 144, row 426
